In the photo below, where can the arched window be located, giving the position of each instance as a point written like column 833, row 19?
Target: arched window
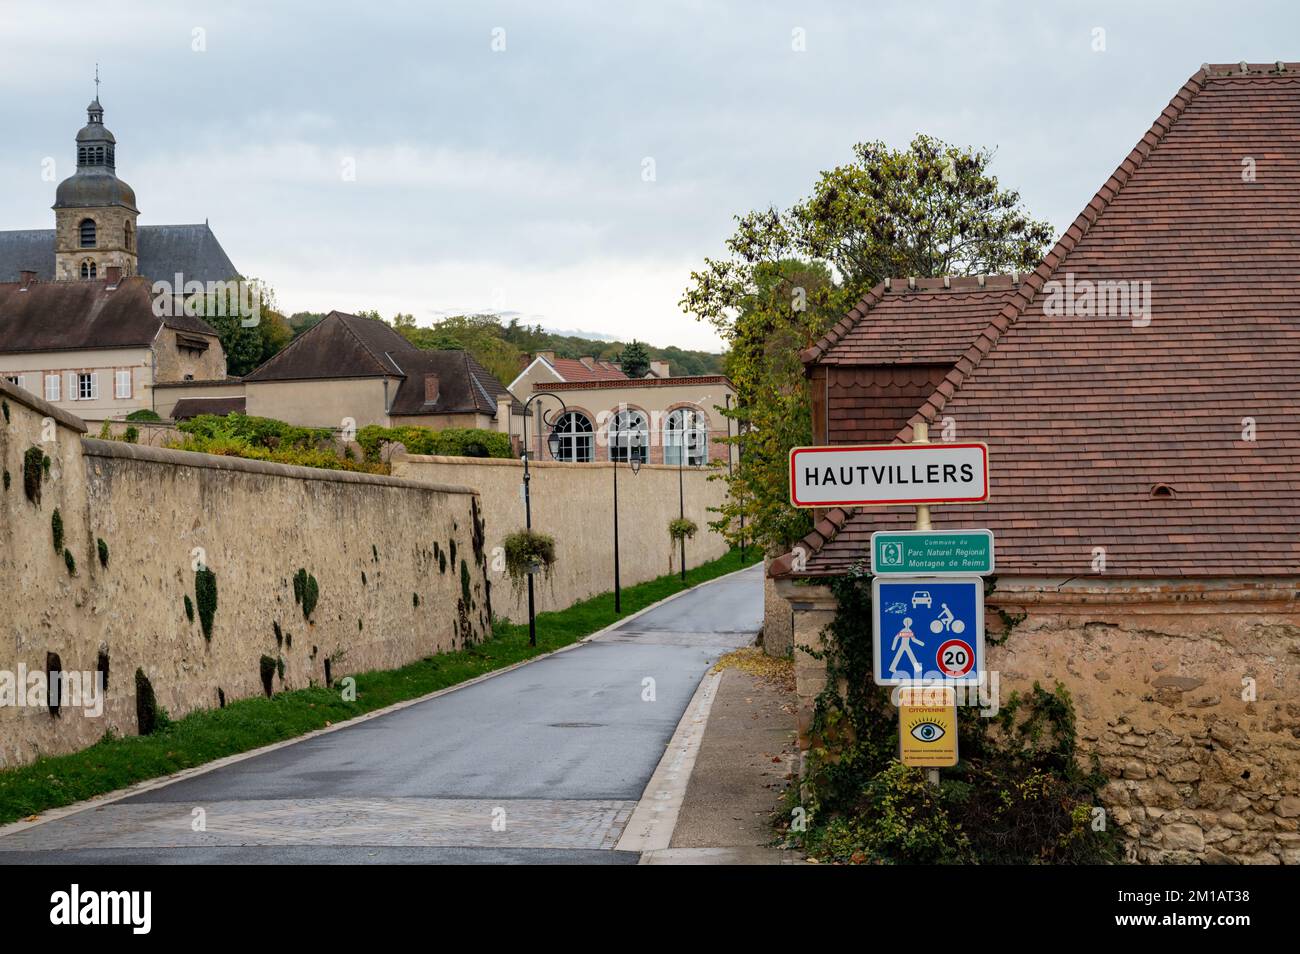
column 87, row 233
column 629, row 436
column 99, row 155
column 81, row 155
column 686, row 438
column 88, row 269
column 575, row 438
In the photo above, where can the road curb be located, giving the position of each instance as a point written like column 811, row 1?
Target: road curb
column 148, row 785
column 654, row 819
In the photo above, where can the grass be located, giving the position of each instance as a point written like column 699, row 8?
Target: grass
column 209, row 734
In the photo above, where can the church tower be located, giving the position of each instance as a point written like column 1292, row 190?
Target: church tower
column 94, row 210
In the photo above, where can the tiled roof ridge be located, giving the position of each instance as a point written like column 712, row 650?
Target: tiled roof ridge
column 822, row 533
column 1035, row 280
column 611, row 383
column 287, row 349
column 383, row 368
column 904, row 287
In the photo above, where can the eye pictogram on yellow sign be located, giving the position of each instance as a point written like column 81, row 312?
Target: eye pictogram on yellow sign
column 927, row 731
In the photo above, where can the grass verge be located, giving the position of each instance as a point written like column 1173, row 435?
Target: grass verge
column 209, row 734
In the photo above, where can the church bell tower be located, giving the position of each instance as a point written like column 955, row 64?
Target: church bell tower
column 94, row 211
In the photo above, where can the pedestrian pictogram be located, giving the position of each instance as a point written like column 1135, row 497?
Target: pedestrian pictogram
column 928, row 629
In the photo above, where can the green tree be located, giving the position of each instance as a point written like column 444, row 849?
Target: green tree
column 931, row 209
column 635, row 360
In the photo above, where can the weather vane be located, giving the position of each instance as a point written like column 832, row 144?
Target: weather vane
column 96, row 81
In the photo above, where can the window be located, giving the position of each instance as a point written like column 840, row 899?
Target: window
column 81, row 155
column 87, row 233
column 686, row 428
column 122, row 384
column 88, row 269
column 575, row 438
column 51, row 387
column 15, row 379
column 629, row 436
column 88, row 387
column 130, row 237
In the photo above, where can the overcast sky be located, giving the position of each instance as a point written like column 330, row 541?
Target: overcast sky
column 512, row 180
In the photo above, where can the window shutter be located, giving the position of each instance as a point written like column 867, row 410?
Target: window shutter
column 122, row 384
column 72, row 386
column 94, row 385
column 51, row 387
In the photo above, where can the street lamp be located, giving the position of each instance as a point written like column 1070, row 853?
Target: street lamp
column 553, row 442
column 634, row 461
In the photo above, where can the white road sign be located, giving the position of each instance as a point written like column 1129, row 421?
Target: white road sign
column 881, row 474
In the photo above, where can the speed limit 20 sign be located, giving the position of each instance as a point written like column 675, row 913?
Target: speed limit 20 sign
column 927, row 629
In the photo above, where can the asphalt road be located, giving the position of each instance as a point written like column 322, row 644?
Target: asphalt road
column 541, row 764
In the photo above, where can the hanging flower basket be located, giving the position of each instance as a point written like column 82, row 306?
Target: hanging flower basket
column 528, row 553
column 682, row 529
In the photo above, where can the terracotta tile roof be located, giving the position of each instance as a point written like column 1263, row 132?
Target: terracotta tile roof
column 1084, row 415
column 571, row 369
column 927, row 324
column 632, row 383
column 78, row 315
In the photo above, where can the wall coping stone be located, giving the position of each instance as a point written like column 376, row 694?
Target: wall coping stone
column 535, row 464
column 93, row 447
column 41, row 406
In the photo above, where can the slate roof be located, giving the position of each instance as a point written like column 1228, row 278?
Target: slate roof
column 67, row 316
column 349, row 346
column 464, row 385
column 1085, row 415
column 164, row 250
column 187, row 408
column 338, row 346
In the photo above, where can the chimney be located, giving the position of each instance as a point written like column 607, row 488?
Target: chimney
column 660, row 369
column 28, row 279
column 588, row 361
column 114, row 276
column 430, row 389
column 548, row 355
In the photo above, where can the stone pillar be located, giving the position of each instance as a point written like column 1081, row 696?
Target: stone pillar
column 778, row 619
column 814, row 609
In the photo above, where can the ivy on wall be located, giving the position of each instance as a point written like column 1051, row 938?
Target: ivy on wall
column 1018, row 795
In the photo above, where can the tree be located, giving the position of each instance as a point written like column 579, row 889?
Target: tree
column 929, row 210
column 635, row 360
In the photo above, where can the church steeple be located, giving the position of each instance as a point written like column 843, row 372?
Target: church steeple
column 95, row 212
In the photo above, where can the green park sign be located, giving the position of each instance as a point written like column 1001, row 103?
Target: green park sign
column 913, row 552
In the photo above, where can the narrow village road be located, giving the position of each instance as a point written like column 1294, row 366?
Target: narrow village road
column 541, row 764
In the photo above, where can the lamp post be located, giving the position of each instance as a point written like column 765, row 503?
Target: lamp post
column 634, row 461
column 553, row 442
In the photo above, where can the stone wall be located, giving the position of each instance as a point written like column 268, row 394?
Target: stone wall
column 778, row 620
column 1184, row 691
column 574, row 504
column 371, row 542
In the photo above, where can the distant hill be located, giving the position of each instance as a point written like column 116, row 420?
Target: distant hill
column 503, row 348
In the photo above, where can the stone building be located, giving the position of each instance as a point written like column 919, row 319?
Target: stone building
column 1138, row 393
column 349, row 368
column 78, row 326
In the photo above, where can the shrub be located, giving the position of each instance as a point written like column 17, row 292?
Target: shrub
column 205, row 595
column 527, row 549
column 263, row 438
column 267, row 667
column 149, row 718
column 144, row 414
column 33, row 469
column 131, row 434
column 102, row 547
column 56, row 526
column 7, row 480
column 449, row 442
column 189, row 609
column 1018, row 795
column 306, row 592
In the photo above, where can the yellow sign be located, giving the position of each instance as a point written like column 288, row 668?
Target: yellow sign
column 927, row 726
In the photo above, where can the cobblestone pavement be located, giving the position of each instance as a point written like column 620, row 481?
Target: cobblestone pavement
column 392, row 822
